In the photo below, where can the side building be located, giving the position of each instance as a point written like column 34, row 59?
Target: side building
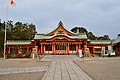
column 116, row 45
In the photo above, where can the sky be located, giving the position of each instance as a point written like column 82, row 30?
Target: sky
column 102, row 17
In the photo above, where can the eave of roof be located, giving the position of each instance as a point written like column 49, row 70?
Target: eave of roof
column 18, row 42
column 117, row 40
column 42, row 37
column 100, row 42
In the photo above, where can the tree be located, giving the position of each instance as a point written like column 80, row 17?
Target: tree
column 82, row 30
column 74, row 29
column 79, row 30
column 105, row 37
column 1, row 35
column 31, row 31
column 24, row 31
column 91, row 36
column 17, row 31
column 9, row 29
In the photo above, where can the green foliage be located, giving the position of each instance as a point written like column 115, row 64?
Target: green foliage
column 79, row 30
column 14, row 52
column 17, row 31
column 105, row 37
column 2, row 36
column 1, row 55
column 90, row 35
column 8, row 56
column 28, row 55
column 24, row 31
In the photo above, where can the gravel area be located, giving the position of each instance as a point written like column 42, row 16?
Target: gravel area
column 23, row 76
column 101, row 68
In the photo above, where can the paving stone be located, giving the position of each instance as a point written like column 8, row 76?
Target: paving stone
column 5, row 73
column 65, row 78
column 49, row 78
column 46, row 68
column 57, row 77
column 65, row 74
column 74, row 77
column 50, row 74
column 63, row 68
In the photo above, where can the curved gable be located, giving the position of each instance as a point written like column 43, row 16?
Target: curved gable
column 60, row 29
column 61, row 37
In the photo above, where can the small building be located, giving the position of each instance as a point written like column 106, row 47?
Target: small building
column 116, row 45
column 97, row 46
column 16, row 47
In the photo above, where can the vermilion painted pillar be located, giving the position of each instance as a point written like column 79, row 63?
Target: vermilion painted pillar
column 41, row 48
column 116, row 50
column 53, row 48
column 77, row 48
column 27, row 49
column 93, row 51
column 38, row 50
column 68, row 48
column 8, row 49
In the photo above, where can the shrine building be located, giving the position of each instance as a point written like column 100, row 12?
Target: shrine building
column 60, row 42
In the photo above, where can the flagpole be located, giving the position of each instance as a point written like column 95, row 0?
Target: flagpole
column 5, row 31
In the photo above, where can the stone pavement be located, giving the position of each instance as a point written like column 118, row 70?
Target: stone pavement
column 22, row 70
column 63, row 68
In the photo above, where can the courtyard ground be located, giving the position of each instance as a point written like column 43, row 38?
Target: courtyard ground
column 98, row 68
column 61, row 67
column 53, row 67
column 22, row 69
column 23, row 76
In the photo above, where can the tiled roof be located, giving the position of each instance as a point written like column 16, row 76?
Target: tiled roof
column 101, row 42
column 80, row 36
column 61, row 27
column 117, row 40
column 18, row 42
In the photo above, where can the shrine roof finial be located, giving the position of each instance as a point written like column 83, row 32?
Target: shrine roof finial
column 60, row 23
